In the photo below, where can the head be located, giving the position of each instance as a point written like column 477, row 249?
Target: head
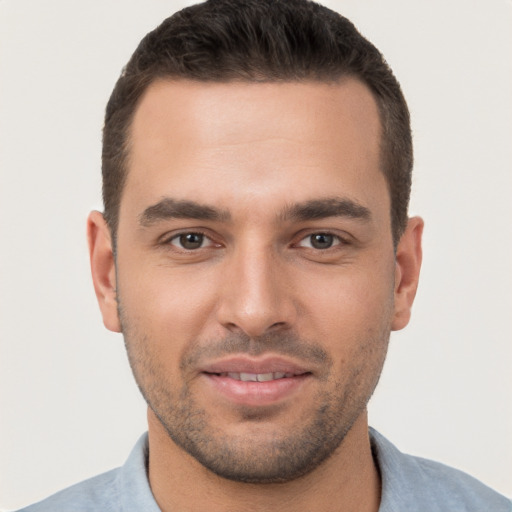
column 256, row 177
column 259, row 41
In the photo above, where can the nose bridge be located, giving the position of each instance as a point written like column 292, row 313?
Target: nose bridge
column 255, row 296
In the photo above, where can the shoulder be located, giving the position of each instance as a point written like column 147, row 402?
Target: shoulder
column 124, row 488
column 456, row 490
column 417, row 484
column 97, row 493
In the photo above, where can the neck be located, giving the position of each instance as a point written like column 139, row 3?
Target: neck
column 348, row 481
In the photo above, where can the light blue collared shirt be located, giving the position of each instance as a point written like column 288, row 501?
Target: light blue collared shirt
column 409, row 484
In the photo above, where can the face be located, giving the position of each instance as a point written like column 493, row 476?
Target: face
column 256, row 280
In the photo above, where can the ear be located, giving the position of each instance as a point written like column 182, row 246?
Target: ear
column 103, row 269
column 407, row 272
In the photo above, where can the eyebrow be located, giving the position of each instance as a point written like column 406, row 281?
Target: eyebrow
column 316, row 209
column 169, row 208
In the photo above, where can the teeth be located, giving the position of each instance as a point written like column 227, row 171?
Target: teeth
column 256, row 377
column 264, row 377
column 248, row 377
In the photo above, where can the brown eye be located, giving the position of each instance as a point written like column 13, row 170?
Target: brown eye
column 321, row 240
column 189, row 241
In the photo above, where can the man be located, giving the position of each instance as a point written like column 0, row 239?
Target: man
column 255, row 252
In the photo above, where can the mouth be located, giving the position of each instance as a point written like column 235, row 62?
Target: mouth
column 247, row 368
column 248, row 382
column 256, row 377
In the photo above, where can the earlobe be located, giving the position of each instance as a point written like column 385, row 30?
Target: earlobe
column 103, row 269
column 407, row 271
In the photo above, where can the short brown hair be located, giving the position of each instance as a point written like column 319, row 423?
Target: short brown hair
column 258, row 41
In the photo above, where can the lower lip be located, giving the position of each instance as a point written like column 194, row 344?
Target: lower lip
column 256, row 393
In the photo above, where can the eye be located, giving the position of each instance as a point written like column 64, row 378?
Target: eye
column 319, row 241
column 190, row 241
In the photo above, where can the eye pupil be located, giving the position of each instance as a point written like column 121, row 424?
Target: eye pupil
column 191, row 240
column 322, row 240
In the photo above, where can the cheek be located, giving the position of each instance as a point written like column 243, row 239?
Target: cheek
column 348, row 307
column 350, row 292
column 166, row 306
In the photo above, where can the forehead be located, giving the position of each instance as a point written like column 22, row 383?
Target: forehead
column 218, row 141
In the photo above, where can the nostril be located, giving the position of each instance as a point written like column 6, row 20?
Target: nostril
column 278, row 325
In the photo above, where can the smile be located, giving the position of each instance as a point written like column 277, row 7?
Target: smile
column 255, row 389
column 256, row 377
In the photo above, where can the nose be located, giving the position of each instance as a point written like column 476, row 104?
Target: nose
column 256, row 294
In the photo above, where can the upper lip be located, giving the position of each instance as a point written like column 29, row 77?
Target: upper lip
column 245, row 364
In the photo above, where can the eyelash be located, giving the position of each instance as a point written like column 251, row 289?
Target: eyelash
column 176, row 237
column 337, row 240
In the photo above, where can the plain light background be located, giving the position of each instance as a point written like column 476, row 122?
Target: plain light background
column 69, row 408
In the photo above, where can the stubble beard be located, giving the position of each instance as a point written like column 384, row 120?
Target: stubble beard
column 259, row 458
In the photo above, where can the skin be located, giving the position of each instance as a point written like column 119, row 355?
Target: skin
column 251, row 157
